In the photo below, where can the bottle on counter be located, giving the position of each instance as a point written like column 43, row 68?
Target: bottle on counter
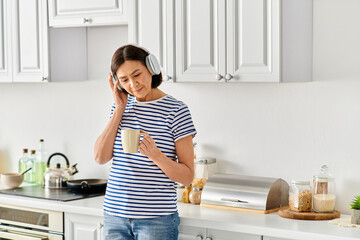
column 186, row 194
column 195, row 195
column 40, row 163
column 23, row 160
column 30, row 163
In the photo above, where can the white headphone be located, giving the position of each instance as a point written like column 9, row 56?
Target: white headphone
column 151, row 61
column 152, row 64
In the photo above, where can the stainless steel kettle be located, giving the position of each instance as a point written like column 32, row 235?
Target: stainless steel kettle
column 57, row 177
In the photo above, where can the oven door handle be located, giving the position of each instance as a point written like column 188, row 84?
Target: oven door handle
column 9, row 234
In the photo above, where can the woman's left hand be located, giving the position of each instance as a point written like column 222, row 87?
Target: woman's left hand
column 148, row 146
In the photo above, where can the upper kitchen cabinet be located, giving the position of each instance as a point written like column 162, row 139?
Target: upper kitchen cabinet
column 5, row 42
column 151, row 25
column 252, row 41
column 200, row 40
column 68, row 13
column 23, row 41
column 229, row 40
column 243, row 40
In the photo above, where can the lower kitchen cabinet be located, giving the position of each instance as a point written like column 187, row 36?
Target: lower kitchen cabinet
column 81, row 227
column 191, row 233
column 198, row 233
column 214, row 234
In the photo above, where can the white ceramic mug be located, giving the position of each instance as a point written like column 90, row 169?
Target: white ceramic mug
column 130, row 140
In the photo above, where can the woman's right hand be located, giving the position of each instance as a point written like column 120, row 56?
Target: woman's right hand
column 120, row 97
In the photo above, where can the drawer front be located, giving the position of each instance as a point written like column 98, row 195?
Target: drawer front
column 191, row 233
column 215, row 234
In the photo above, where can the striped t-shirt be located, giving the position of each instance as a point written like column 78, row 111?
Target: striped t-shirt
column 137, row 187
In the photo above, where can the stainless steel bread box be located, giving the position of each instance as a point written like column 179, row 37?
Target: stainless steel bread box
column 248, row 193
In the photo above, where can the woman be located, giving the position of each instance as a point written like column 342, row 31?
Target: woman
column 140, row 200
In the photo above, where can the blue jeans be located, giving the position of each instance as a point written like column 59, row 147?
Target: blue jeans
column 159, row 228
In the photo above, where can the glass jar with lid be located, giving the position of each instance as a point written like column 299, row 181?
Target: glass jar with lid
column 205, row 167
column 324, row 191
column 300, row 196
column 195, row 195
column 180, row 192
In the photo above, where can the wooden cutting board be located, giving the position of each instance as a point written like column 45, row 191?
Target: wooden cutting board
column 287, row 213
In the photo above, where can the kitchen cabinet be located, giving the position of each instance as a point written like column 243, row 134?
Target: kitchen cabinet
column 151, row 26
column 80, row 227
column 5, row 42
column 190, row 233
column 23, row 41
column 68, row 13
column 214, row 234
column 187, row 232
column 228, row 40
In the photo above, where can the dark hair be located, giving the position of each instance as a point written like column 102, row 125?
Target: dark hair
column 131, row 52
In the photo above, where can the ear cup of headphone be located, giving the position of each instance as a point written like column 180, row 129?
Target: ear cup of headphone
column 114, row 79
column 152, row 64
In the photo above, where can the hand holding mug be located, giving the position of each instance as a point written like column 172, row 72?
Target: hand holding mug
column 131, row 142
column 148, row 146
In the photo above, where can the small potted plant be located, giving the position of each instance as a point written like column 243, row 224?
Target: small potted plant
column 355, row 210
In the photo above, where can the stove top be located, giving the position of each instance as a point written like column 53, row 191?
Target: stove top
column 38, row 191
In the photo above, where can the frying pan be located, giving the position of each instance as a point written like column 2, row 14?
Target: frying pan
column 87, row 185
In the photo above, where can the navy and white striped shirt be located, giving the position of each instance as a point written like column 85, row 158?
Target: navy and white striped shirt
column 137, row 187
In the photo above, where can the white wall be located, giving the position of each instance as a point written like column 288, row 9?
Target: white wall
column 275, row 130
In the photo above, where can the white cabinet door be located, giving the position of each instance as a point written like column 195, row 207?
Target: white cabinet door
column 213, row 234
column 187, row 232
column 69, row 13
column 151, row 26
column 23, row 41
column 200, row 40
column 80, row 227
column 227, row 40
column 5, row 42
column 245, row 47
column 30, row 40
column 253, row 46
column 191, row 233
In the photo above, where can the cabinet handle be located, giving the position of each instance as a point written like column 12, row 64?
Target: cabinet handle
column 199, row 237
column 100, row 226
column 44, row 79
column 99, row 231
column 208, row 238
column 218, row 77
column 228, row 77
column 167, row 78
column 87, row 20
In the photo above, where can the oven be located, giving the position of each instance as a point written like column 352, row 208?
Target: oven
column 22, row 223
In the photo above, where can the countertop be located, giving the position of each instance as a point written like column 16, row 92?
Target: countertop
column 194, row 215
